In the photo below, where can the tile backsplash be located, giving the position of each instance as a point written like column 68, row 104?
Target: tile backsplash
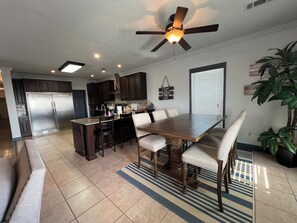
column 21, row 110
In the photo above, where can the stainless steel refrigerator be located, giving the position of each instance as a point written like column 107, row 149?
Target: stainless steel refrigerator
column 49, row 111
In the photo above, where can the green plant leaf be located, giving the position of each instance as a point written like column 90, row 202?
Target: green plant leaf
column 293, row 103
column 264, row 94
column 289, row 145
column 273, row 145
column 291, row 46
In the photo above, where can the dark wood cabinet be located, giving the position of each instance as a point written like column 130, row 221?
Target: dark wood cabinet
column 124, row 83
column 19, row 92
column 25, row 126
column 133, row 87
column 93, row 93
column 105, row 88
column 32, row 85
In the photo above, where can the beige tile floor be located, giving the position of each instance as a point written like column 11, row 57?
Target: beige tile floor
column 77, row 190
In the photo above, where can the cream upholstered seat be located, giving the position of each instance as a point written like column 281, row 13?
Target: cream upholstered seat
column 171, row 113
column 147, row 141
column 212, row 159
column 159, row 115
column 215, row 136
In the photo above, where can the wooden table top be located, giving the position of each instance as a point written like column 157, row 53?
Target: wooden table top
column 190, row 127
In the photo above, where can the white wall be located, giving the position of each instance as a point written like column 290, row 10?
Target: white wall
column 10, row 101
column 238, row 54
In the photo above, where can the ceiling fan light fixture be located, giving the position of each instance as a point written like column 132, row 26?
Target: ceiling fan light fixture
column 174, row 35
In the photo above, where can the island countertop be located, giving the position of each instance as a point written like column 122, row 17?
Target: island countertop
column 90, row 121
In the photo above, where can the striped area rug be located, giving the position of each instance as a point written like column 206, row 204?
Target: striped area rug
column 198, row 205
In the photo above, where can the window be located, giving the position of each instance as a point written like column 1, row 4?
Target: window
column 207, row 89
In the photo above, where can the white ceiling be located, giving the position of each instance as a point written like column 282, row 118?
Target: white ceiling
column 38, row 36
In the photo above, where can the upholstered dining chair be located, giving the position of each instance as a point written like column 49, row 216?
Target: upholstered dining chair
column 159, row 115
column 220, row 132
column 215, row 160
column 214, row 140
column 171, row 112
column 147, row 141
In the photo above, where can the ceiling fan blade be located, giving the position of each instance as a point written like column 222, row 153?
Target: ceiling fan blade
column 150, row 32
column 202, row 29
column 179, row 16
column 184, row 44
column 159, row 45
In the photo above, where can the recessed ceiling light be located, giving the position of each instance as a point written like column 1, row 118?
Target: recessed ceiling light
column 119, row 65
column 53, row 71
column 70, row 66
column 103, row 70
column 96, row 55
column 92, row 75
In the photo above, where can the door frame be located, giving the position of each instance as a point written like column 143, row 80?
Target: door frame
column 207, row 68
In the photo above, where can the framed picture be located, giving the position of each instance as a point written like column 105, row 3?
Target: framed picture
column 166, row 92
column 249, row 90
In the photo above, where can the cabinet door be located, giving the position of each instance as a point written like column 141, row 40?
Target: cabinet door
column 31, row 85
column 19, row 92
column 25, row 126
column 140, row 86
column 55, row 86
column 65, row 86
column 44, row 86
column 111, row 97
column 124, row 88
column 132, row 87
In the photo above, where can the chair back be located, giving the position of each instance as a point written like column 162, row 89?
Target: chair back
column 228, row 140
column 141, row 119
column 125, row 120
column 159, row 115
column 171, row 113
column 106, row 124
column 242, row 116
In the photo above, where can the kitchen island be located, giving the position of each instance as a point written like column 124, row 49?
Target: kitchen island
column 84, row 137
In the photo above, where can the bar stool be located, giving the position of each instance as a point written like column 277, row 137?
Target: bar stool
column 126, row 127
column 105, row 134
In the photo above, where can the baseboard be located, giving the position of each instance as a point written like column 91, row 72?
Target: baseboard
column 16, row 139
column 249, row 147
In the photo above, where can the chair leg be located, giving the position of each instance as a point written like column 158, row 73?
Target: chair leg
column 219, row 185
column 102, row 138
column 152, row 156
column 229, row 164
column 121, row 139
column 155, row 165
column 185, row 173
column 226, row 183
column 169, row 155
column 138, row 156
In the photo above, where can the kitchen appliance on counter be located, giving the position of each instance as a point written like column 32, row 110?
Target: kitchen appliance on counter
column 49, row 111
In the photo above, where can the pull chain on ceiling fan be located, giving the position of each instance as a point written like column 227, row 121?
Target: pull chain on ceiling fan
column 174, row 31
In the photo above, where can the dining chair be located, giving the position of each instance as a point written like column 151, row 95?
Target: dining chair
column 105, row 134
column 171, row 112
column 159, row 115
column 215, row 160
column 125, row 126
column 215, row 140
column 147, row 141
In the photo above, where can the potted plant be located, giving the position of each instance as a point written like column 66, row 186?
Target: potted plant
column 278, row 81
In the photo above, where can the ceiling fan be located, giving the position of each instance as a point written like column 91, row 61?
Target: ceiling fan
column 175, row 31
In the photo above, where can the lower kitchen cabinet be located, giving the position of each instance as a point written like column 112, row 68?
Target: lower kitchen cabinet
column 25, row 126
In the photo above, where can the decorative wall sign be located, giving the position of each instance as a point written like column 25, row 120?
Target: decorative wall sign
column 166, row 91
column 249, row 89
column 254, row 69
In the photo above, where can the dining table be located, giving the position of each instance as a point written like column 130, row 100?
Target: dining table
column 181, row 129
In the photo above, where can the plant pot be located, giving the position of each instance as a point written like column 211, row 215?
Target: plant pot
column 286, row 158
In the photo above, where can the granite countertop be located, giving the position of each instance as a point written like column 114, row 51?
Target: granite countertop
column 91, row 121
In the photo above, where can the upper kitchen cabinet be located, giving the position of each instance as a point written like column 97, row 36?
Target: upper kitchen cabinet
column 31, row 85
column 133, row 87
column 93, row 93
column 105, row 88
column 19, row 92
